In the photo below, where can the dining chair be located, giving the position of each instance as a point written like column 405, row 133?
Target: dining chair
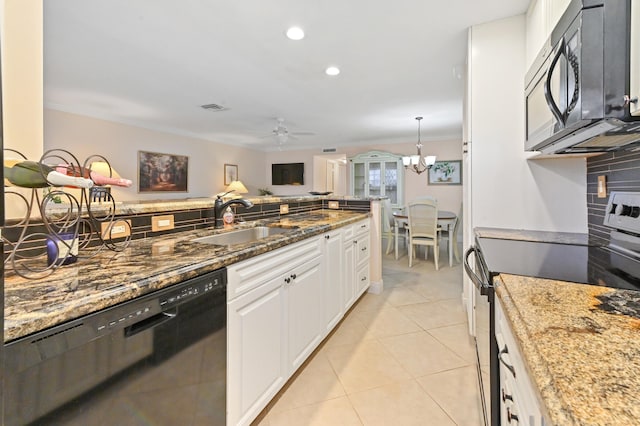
column 451, row 233
column 423, row 228
column 389, row 230
column 426, row 197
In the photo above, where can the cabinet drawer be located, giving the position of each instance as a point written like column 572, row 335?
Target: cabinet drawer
column 248, row 274
column 362, row 250
column 362, row 278
column 362, row 227
column 514, row 375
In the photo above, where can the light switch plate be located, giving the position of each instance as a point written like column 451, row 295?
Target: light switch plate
column 284, row 208
column 334, row 205
column 162, row 223
column 119, row 229
column 602, row 186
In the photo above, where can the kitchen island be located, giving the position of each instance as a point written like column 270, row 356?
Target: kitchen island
column 579, row 343
column 146, row 265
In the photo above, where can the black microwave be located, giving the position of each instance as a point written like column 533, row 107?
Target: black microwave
column 577, row 92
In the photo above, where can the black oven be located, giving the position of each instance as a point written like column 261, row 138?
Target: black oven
column 485, row 342
column 571, row 258
column 159, row 359
column 577, row 92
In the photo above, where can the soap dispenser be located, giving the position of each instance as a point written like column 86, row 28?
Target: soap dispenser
column 228, row 216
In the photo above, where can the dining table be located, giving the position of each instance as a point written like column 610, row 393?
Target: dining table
column 446, row 219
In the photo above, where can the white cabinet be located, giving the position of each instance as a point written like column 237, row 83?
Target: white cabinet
column 356, row 257
column 542, row 16
column 305, row 319
column 537, row 33
column 256, row 335
column 274, row 321
column 378, row 173
column 349, row 271
column 519, row 404
column 333, row 282
column 281, row 304
column 555, row 10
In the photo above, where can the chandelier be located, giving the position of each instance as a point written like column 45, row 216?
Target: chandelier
column 417, row 163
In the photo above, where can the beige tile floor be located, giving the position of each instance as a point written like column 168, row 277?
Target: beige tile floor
column 402, row 357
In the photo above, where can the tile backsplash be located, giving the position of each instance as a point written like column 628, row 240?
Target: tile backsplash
column 184, row 220
column 622, row 172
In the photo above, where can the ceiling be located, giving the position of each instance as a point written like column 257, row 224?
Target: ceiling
column 153, row 63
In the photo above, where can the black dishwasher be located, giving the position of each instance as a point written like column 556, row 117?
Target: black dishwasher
column 159, row 359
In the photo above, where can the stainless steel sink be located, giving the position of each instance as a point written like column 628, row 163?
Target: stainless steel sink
column 242, row 236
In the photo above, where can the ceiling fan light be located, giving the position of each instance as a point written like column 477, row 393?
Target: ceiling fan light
column 282, row 138
column 415, row 159
column 295, row 33
column 332, row 71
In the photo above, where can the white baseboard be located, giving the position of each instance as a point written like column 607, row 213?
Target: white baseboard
column 376, row 287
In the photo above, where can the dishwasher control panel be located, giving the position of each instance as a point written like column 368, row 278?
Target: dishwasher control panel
column 145, row 307
column 190, row 290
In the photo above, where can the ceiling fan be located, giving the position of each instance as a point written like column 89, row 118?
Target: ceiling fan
column 282, row 134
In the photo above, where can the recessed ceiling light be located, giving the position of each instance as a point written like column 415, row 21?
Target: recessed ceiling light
column 295, row 33
column 332, row 71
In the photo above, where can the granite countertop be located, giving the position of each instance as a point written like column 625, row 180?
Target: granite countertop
column 146, row 265
column 580, row 343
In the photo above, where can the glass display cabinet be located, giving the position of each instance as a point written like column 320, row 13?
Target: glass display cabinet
column 378, row 174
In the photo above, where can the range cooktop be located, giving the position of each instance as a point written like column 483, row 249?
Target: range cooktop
column 616, row 265
column 565, row 262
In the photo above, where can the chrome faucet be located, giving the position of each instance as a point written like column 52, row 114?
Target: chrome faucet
column 219, row 206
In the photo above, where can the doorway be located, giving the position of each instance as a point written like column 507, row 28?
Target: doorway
column 330, row 173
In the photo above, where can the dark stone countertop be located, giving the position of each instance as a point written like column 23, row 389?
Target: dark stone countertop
column 146, row 265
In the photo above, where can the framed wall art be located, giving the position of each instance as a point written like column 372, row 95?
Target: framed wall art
column 446, row 173
column 230, row 173
column 162, row 172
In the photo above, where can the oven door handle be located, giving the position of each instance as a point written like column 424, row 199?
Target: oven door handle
column 480, row 282
column 150, row 322
column 547, row 85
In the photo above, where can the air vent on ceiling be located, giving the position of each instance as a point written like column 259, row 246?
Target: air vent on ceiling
column 213, row 107
column 329, row 150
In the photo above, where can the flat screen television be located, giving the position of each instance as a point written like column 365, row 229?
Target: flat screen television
column 287, row 174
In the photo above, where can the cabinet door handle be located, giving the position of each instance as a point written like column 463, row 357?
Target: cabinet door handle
column 355, row 242
column 363, row 279
column 363, row 249
column 326, row 237
column 511, row 416
column 287, row 280
column 506, row 396
column 505, row 351
column 363, row 226
column 294, row 276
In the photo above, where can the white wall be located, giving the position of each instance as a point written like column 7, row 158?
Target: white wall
column 509, row 191
column 22, row 82
column 22, row 79
column 119, row 143
column 449, row 196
